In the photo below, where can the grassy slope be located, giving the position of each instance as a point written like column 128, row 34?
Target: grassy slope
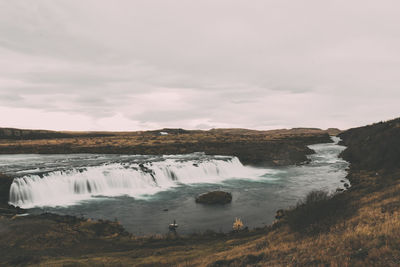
column 375, row 146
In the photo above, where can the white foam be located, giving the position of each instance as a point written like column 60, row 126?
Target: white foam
column 63, row 188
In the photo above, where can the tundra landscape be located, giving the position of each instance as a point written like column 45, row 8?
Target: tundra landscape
column 199, row 133
column 355, row 227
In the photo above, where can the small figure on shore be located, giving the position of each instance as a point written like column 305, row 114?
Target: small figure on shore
column 172, row 227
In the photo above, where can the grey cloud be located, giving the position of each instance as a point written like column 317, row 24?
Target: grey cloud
column 5, row 98
column 242, row 101
column 204, row 126
column 43, row 28
column 168, row 116
column 69, row 78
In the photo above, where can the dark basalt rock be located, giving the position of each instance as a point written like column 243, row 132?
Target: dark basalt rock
column 214, row 197
column 5, row 208
column 5, row 184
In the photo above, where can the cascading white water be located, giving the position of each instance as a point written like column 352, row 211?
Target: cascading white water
column 62, row 188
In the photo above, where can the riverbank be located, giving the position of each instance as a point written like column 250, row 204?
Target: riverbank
column 261, row 148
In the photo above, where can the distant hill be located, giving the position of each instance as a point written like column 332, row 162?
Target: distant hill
column 333, row 131
column 330, row 131
column 28, row 134
column 12, row 133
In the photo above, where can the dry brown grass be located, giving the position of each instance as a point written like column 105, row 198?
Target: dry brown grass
column 370, row 237
column 237, row 224
column 281, row 147
column 146, row 138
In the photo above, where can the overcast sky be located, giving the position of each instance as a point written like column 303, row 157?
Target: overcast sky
column 130, row 65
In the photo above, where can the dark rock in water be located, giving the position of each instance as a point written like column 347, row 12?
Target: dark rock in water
column 214, row 197
column 339, row 190
column 346, row 185
column 342, row 181
column 165, row 209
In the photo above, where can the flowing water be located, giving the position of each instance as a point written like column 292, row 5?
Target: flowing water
column 146, row 193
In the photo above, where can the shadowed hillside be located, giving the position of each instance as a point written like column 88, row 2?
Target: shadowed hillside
column 373, row 147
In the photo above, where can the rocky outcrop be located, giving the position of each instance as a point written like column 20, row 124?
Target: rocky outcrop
column 214, row 197
column 5, row 208
column 5, row 184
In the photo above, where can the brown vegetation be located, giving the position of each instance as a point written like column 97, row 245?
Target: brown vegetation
column 237, row 225
column 277, row 147
column 368, row 237
column 316, row 213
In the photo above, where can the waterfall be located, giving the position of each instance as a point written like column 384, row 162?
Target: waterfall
column 63, row 188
